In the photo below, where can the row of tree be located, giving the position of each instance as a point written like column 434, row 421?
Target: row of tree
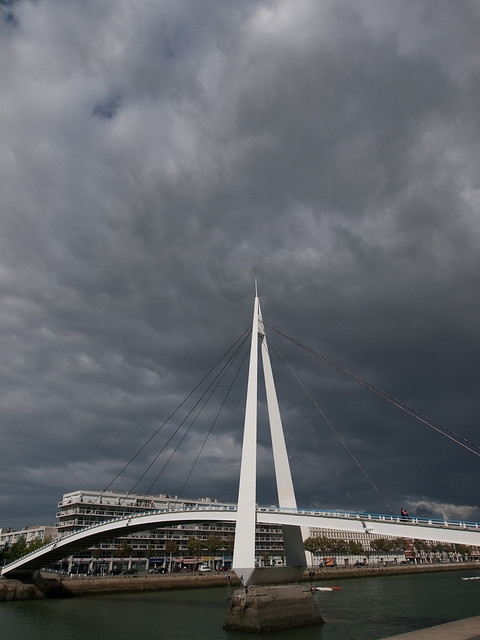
column 320, row 545
column 195, row 546
column 442, row 548
column 19, row 548
column 333, row 546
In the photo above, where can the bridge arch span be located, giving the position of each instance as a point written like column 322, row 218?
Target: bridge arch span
column 453, row 532
column 81, row 539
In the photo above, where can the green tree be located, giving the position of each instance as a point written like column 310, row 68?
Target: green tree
column 381, row 545
column 355, row 548
column 36, row 544
column 148, row 554
column 324, row 544
column 421, row 546
column 171, row 547
column 124, row 550
column 4, row 554
column 440, row 547
column 338, row 546
column 195, row 546
column 213, row 544
column 399, row 545
column 17, row 549
column 228, row 544
column 311, row 544
column 463, row 549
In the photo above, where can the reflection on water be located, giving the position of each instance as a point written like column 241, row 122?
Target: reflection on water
column 364, row 609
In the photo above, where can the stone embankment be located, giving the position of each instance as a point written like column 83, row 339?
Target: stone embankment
column 50, row 585
column 360, row 572
column 16, row 590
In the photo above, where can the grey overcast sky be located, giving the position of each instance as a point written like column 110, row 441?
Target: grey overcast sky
column 153, row 155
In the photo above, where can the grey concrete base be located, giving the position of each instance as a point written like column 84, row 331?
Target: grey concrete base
column 271, row 575
column 264, row 608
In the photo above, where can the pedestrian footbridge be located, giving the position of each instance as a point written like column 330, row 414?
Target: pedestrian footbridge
column 246, row 515
column 450, row 531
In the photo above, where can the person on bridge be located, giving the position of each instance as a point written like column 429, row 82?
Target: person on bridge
column 404, row 514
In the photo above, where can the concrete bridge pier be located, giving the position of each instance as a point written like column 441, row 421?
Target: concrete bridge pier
column 262, row 608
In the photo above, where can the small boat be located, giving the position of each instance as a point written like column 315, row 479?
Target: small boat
column 325, row 589
column 472, row 578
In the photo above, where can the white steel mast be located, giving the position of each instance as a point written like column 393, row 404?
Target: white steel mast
column 244, row 548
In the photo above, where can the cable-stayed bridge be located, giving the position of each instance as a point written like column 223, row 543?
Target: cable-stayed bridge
column 437, row 530
column 247, row 514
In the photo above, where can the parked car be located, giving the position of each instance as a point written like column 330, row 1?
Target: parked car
column 204, row 569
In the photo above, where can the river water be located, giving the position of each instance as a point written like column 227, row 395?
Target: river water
column 363, row 609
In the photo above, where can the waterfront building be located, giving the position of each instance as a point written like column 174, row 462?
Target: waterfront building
column 369, row 554
column 152, row 550
column 374, row 552
column 39, row 533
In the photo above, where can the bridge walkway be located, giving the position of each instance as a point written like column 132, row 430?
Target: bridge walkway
column 451, row 531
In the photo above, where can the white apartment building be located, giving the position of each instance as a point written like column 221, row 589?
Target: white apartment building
column 368, row 555
column 418, row 551
column 149, row 549
column 31, row 534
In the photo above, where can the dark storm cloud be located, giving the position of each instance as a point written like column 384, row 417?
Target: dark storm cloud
column 7, row 12
column 153, row 156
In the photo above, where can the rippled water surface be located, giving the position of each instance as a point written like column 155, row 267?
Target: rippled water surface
column 363, row 609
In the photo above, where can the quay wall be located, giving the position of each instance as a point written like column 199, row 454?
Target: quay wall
column 334, row 573
column 57, row 586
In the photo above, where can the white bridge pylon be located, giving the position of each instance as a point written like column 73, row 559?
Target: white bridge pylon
column 244, row 548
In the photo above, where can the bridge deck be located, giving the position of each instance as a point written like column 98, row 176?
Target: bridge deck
column 439, row 530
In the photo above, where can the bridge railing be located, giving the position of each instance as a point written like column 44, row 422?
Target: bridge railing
column 150, row 512
column 374, row 517
column 325, row 513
